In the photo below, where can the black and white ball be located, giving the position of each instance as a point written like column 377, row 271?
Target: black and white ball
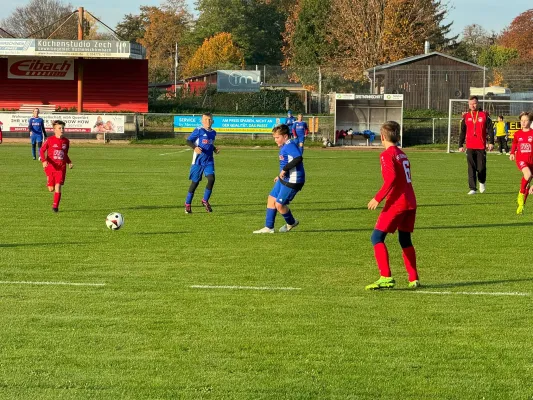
column 114, row 221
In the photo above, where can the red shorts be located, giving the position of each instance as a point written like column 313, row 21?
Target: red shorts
column 55, row 176
column 391, row 220
column 521, row 164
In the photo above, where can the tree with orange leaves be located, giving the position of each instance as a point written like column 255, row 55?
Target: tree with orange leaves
column 217, row 52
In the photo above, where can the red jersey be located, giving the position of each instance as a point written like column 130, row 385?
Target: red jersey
column 522, row 146
column 397, row 187
column 56, row 150
column 476, row 129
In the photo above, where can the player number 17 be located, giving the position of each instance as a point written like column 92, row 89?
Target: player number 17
column 407, row 170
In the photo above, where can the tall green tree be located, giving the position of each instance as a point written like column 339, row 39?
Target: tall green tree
column 255, row 26
column 305, row 40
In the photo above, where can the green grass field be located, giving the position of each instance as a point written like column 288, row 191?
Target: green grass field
column 135, row 327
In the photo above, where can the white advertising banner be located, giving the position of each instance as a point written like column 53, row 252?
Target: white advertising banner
column 40, row 68
column 78, row 123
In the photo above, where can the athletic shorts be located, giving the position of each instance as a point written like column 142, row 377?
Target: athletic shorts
column 197, row 171
column 283, row 194
column 54, row 176
column 521, row 164
column 36, row 138
column 391, row 220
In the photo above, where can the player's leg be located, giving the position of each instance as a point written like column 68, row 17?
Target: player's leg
column 33, row 147
column 210, row 176
column 405, row 228
column 481, row 163
column 271, row 210
column 381, row 255
column 195, row 176
column 284, row 198
column 471, row 163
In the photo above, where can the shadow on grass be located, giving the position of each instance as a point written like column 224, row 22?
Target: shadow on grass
column 41, row 244
column 474, row 283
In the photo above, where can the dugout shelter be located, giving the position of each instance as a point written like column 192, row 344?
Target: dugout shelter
column 363, row 114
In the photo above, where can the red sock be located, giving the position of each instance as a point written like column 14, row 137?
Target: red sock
column 409, row 259
column 57, row 199
column 523, row 186
column 382, row 258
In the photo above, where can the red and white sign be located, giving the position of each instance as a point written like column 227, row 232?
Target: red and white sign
column 75, row 123
column 40, row 68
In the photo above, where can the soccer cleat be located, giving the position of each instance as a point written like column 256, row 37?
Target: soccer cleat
column 414, row 284
column 265, row 230
column 55, row 209
column 188, row 209
column 207, row 206
column 472, row 192
column 287, row 227
column 382, row 283
column 482, row 188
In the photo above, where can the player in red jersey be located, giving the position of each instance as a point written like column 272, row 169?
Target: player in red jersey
column 399, row 211
column 54, row 154
column 476, row 128
column 522, row 153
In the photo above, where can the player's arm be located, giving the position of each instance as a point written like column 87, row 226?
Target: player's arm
column 389, row 176
column 191, row 141
column 42, row 152
column 462, row 135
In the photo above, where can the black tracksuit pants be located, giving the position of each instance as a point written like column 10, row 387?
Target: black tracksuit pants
column 477, row 167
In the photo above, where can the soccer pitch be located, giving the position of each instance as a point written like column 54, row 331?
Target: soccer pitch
column 177, row 306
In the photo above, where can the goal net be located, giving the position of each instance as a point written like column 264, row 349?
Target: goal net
column 510, row 109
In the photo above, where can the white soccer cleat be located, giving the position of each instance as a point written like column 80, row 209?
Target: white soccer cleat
column 472, row 192
column 287, row 228
column 265, row 230
column 482, row 188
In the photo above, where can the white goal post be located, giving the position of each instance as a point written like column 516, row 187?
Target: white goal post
column 510, row 109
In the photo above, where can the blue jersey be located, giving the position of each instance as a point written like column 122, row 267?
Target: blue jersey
column 204, row 139
column 289, row 121
column 300, row 128
column 287, row 153
column 36, row 126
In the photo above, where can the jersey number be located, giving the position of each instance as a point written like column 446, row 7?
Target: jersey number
column 407, row 170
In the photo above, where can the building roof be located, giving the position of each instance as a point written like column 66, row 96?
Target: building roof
column 420, row 57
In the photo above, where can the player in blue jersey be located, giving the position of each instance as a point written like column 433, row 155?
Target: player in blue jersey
column 202, row 141
column 290, row 120
column 37, row 132
column 300, row 131
column 287, row 184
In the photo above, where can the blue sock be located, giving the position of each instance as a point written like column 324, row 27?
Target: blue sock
column 289, row 219
column 188, row 200
column 207, row 194
column 270, row 217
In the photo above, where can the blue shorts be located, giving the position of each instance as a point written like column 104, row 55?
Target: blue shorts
column 197, row 171
column 283, row 194
column 36, row 138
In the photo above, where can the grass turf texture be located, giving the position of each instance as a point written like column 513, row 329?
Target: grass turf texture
column 147, row 334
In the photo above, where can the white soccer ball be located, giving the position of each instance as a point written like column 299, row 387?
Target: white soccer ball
column 114, row 221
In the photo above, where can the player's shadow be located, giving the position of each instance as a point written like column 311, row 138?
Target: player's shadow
column 502, row 225
column 473, row 283
column 162, row 233
column 33, row 244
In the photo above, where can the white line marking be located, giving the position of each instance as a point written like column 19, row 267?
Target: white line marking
column 477, row 293
column 50, row 283
column 243, row 287
column 175, row 152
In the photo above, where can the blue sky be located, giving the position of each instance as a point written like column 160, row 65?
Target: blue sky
column 493, row 15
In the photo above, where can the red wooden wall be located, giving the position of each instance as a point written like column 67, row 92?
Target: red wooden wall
column 109, row 85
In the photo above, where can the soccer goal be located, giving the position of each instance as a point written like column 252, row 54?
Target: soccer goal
column 510, row 109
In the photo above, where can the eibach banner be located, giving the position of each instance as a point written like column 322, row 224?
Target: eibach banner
column 78, row 123
column 40, row 68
